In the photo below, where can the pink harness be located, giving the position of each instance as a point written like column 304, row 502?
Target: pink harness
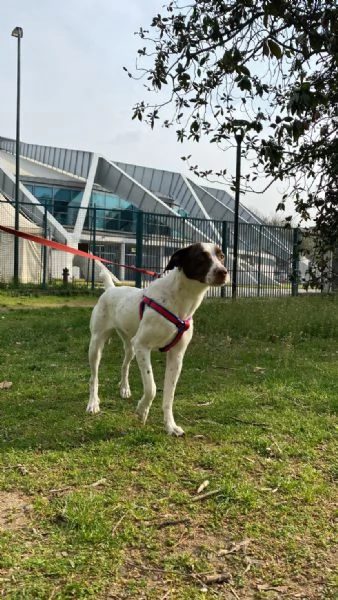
column 181, row 325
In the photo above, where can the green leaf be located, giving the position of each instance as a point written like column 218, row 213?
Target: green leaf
column 266, row 50
column 244, row 84
column 315, row 41
column 275, row 49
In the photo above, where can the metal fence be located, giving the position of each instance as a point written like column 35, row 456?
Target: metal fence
column 268, row 256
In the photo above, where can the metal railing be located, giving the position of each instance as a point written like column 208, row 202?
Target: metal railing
column 267, row 263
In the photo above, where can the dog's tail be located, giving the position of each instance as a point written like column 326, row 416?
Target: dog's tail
column 107, row 277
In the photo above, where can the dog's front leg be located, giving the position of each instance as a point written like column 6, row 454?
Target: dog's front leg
column 173, row 370
column 149, row 388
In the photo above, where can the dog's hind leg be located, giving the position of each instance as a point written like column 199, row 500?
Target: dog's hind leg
column 149, row 386
column 95, row 353
column 128, row 357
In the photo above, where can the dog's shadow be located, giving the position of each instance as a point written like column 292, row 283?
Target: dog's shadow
column 46, row 428
column 54, row 424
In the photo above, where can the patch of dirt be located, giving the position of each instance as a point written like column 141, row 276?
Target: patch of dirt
column 188, row 558
column 14, row 511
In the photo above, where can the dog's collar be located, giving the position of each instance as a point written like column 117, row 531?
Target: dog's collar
column 181, row 325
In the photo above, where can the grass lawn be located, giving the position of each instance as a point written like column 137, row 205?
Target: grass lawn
column 102, row 507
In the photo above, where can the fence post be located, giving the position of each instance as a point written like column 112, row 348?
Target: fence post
column 295, row 262
column 183, row 229
column 44, row 249
column 139, row 247
column 224, row 250
column 259, row 262
column 94, row 244
column 335, row 270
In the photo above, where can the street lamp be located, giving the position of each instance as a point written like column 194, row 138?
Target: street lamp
column 239, row 138
column 17, row 33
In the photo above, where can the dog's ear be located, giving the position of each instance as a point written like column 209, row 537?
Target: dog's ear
column 176, row 260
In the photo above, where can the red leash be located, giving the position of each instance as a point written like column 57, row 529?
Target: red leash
column 57, row 246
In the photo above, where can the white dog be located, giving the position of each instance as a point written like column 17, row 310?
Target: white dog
column 159, row 316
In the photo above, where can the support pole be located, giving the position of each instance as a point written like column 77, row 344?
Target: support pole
column 17, row 33
column 239, row 139
column 139, row 247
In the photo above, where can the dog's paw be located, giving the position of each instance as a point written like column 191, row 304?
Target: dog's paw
column 142, row 412
column 125, row 391
column 174, row 430
column 93, row 407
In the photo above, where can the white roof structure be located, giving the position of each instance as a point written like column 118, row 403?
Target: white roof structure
column 150, row 190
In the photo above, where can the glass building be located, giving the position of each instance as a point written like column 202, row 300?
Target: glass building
column 70, row 193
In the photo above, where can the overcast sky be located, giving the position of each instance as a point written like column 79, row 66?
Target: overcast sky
column 75, row 94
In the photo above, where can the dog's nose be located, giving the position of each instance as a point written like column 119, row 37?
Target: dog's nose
column 221, row 275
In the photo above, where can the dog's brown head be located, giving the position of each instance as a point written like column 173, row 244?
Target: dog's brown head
column 202, row 262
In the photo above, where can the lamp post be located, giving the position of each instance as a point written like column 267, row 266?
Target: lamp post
column 239, row 138
column 17, row 33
